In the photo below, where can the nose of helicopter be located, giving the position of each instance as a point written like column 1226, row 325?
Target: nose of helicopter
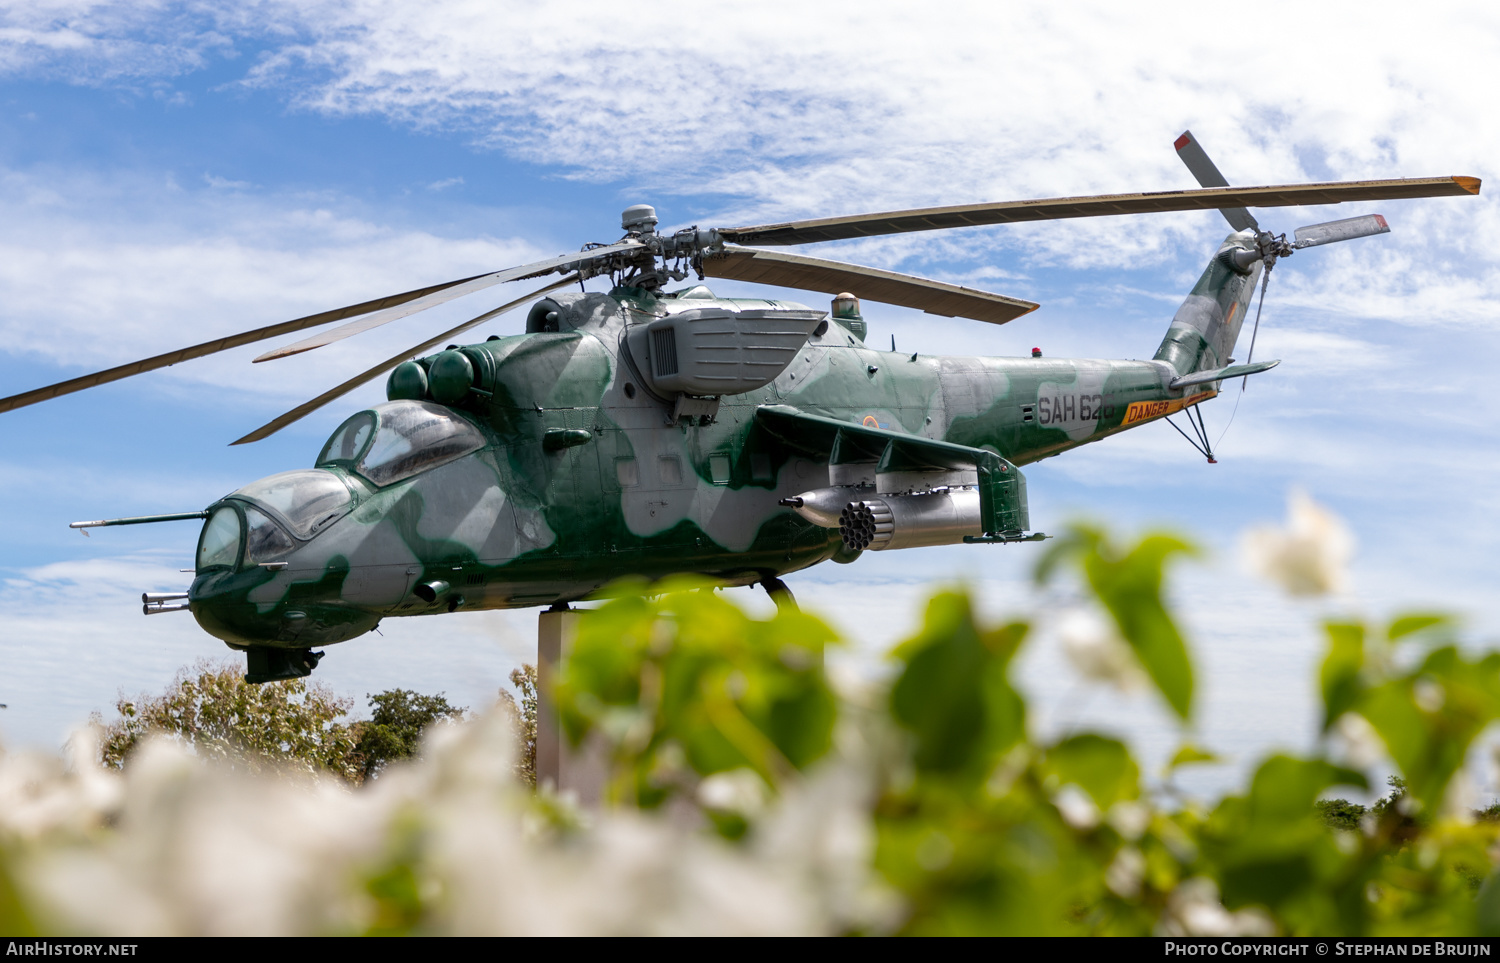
column 255, row 583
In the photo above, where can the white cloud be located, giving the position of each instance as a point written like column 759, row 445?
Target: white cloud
column 101, row 271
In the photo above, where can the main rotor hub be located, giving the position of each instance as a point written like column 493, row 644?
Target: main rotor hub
column 639, row 219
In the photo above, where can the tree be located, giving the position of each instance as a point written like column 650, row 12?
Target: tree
column 395, row 729
column 524, row 679
column 294, row 724
column 216, row 713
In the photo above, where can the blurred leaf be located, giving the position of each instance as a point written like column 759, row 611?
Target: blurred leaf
column 1100, row 766
column 1284, row 788
column 1411, row 624
column 1487, row 906
column 1429, row 716
column 1270, row 846
column 685, row 685
column 14, row 920
column 1128, row 584
column 1188, row 754
column 953, row 694
column 1339, row 676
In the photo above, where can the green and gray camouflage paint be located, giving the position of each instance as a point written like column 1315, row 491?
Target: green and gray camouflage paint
column 568, row 475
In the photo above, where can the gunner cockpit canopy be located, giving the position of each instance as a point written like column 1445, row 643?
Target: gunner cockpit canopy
column 398, row 439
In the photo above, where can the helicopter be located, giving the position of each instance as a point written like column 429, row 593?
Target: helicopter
column 649, row 432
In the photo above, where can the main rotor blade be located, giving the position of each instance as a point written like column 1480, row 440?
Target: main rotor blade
column 1054, row 208
column 303, row 410
column 1346, row 230
column 1207, row 174
column 888, row 287
column 213, row 347
column 448, row 293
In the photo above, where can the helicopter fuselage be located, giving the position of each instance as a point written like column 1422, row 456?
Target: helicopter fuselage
column 559, row 470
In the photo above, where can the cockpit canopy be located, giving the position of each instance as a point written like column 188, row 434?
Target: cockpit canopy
column 398, row 439
column 258, row 523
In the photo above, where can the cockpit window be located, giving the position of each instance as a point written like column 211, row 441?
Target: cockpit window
column 348, row 443
column 220, row 541
column 264, row 539
column 306, row 501
column 413, row 436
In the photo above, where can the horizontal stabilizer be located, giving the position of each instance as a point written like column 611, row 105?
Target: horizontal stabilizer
column 1222, row 374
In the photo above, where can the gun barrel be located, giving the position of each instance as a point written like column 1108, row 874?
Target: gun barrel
column 139, row 520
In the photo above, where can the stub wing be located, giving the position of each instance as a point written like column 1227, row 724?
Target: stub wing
column 893, row 460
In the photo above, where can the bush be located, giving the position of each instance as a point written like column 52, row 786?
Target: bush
column 292, row 725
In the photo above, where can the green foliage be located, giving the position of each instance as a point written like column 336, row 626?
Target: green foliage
column 214, row 711
column 719, row 724
column 395, row 728
column 1127, row 582
column 1341, row 814
column 685, row 686
column 291, row 724
column 984, row 828
column 954, row 696
column 15, row 920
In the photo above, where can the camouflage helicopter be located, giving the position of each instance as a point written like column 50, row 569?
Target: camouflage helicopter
column 649, row 431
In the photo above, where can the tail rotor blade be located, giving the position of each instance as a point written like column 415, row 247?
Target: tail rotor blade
column 307, row 408
column 1349, row 228
column 1207, row 174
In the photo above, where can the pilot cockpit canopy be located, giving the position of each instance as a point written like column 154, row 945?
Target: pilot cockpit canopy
column 398, row 439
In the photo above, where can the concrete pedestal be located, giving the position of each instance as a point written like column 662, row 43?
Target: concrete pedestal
column 581, row 771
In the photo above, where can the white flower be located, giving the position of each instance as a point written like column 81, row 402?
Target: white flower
column 1310, row 556
column 741, row 791
column 1194, row 909
column 1130, row 819
column 180, row 845
column 1095, row 649
column 1361, row 743
column 1076, row 807
column 1124, row 875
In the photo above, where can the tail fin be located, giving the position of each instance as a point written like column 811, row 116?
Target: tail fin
column 1205, row 328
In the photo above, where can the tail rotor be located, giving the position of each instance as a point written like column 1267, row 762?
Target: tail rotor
column 1269, row 248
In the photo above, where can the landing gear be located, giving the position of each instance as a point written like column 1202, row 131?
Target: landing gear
column 264, row 663
column 780, row 594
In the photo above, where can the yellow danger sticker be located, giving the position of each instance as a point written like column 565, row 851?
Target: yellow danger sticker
column 1146, row 410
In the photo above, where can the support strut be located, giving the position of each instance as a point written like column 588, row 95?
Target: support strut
column 1201, row 443
column 780, row 594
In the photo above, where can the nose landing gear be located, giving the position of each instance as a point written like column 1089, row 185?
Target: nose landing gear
column 267, row 664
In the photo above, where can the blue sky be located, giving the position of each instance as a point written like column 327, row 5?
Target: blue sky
column 173, row 171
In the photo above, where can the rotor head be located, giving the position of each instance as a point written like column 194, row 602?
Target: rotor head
column 639, row 219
